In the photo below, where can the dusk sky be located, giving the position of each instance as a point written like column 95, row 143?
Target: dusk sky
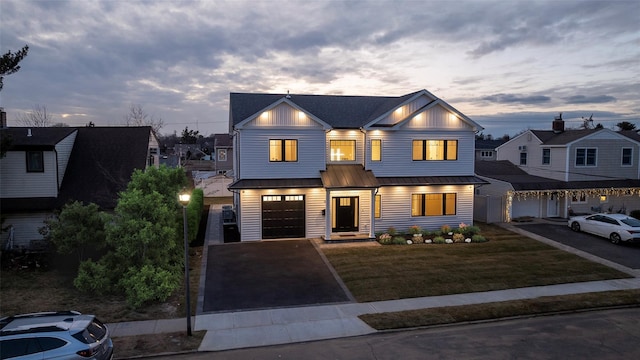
column 509, row 65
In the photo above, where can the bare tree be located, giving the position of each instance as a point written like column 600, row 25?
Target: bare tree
column 37, row 117
column 138, row 117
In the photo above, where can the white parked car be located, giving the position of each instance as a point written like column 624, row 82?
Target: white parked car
column 615, row 227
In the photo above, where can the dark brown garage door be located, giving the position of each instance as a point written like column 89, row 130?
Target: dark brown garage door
column 283, row 216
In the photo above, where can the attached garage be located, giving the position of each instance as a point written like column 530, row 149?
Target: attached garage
column 283, row 216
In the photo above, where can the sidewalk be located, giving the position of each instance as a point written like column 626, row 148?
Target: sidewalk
column 241, row 329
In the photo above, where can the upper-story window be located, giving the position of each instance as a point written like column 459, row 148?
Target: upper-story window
column 343, row 150
column 586, row 157
column 435, row 149
column 546, row 156
column 627, row 156
column 376, row 150
column 222, row 154
column 35, row 161
column 523, row 158
column 283, row 150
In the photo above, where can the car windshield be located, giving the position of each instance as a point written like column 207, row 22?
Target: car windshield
column 631, row 222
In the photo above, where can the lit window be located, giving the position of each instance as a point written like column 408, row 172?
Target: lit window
column 435, row 150
column 343, row 150
column 377, row 210
column 283, row 150
column 433, row 204
column 35, row 161
column 222, row 154
column 376, row 150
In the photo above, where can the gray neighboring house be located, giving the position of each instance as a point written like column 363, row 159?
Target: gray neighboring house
column 558, row 173
column 46, row 167
column 223, row 150
column 486, row 149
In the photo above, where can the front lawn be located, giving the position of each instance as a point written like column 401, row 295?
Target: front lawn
column 508, row 260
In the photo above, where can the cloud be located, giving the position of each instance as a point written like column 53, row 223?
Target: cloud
column 516, row 99
column 582, row 99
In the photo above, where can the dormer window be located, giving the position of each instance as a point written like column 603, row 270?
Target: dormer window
column 35, row 161
column 343, row 150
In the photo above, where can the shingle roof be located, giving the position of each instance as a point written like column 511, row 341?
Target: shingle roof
column 41, row 138
column 504, row 170
column 337, row 110
column 549, row 137
column 223, row 140
column 101, row 163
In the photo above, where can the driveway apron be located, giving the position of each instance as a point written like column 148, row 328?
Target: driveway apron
column 266, row 274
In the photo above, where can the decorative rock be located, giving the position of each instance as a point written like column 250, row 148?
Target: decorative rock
column 467, row 240
column 409, row 242
column 448, row 241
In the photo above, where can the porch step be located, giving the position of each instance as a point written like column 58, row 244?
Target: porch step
column 348, row 238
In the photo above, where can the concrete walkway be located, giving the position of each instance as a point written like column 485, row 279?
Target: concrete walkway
column 241, row 329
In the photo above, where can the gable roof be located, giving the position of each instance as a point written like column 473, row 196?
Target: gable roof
column 101, row 164
column 35, row 138
column 339, row 111
column 549, row 137
column 488, row 144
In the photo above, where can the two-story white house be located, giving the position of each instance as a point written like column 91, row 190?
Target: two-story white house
column 337, row 167
column 571, row 171
column 46, row 167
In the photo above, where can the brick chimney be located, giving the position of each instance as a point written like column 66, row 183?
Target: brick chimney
column 3, row 118
column 558, row 124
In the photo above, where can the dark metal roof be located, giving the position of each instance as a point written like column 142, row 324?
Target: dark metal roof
column 339, row 111
column 430, row 180
column 506, row 171
column 352, row 176
column 275, row 183
column 42, row 138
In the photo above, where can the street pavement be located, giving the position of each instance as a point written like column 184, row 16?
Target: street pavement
column 602, row 335
column 284, row 325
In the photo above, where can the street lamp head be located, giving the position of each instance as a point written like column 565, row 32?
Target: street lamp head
column 184, row 198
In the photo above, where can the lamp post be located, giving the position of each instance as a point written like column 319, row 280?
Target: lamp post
column 184, row 200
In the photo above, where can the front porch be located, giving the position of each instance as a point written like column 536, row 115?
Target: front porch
column 347, row 237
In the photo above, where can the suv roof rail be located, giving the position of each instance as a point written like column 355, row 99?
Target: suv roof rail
column 6, row 320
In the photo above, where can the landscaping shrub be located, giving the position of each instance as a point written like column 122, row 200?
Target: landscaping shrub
column 438, row 240
column 399, row 240
column 148, row 283
column 457, row 237
column 384, row 239
column 478, row 239
column 93, row 277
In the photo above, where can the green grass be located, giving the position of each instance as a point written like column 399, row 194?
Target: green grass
column 507, row 261
column 505, row 309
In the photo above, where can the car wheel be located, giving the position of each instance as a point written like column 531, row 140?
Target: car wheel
column 575, row 226
column 615, row 238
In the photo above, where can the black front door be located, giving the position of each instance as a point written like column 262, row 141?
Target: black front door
column 345, row 214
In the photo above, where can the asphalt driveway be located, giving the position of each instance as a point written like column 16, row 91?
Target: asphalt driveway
column 265, row 274
column 626, row 254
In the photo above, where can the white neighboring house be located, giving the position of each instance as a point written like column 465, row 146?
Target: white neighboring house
column 46, row 167
column 336, row 167
column 568, row 172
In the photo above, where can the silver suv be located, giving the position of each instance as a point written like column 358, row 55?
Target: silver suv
column 54, row 335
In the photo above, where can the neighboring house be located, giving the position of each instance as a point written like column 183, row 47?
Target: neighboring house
column 486, row 149
column 567, row 172
column 46, row 167
column 223, row 152
column 337, row 167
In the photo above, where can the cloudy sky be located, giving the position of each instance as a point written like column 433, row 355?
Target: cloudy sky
column 508, row 64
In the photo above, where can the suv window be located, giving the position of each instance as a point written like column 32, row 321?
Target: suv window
column 93, row 333
column 50, row 343
column 18, row 347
